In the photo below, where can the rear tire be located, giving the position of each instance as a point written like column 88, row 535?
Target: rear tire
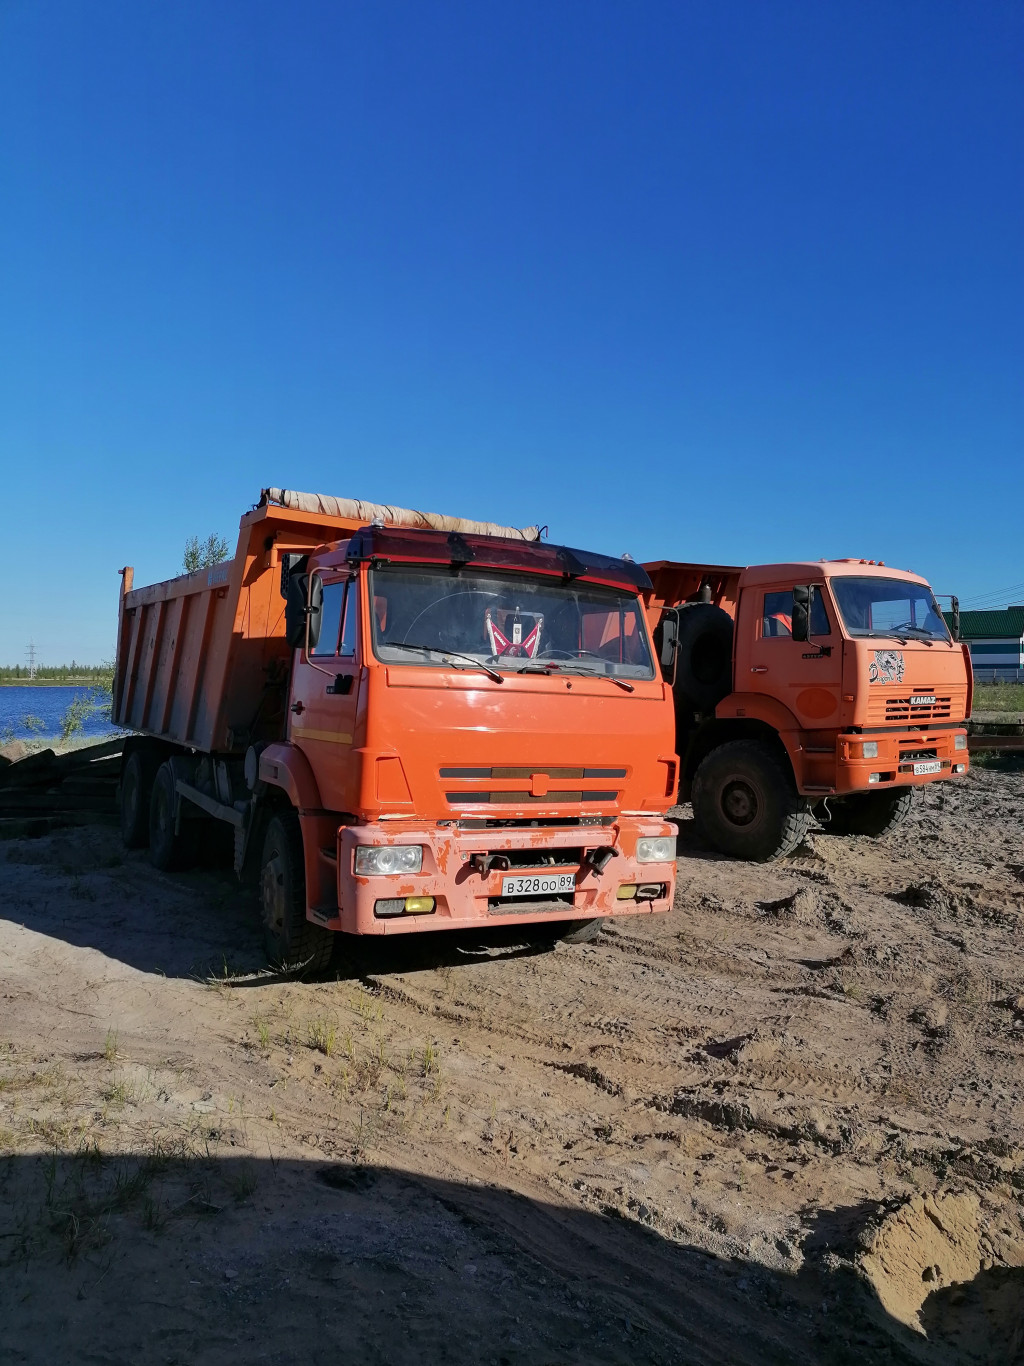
column 745, row 803
column 869, row 813
column 134, row 797
column 168, row 850
column 292, row 942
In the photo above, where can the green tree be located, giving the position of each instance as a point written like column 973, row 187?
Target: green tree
column 202, row 554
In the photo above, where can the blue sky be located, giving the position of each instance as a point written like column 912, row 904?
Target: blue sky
column 736, row 282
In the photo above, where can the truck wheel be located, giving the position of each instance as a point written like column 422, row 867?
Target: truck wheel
column 704, row 656
column 134, row 797
column 292, row 941
column 167, row 850
column 567, row 931
column 868, row 813
column 745, row 803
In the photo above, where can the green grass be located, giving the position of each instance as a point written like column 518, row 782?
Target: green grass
column 999, row 697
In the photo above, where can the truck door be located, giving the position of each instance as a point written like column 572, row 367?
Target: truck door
column 805, row 675
column 325, row 692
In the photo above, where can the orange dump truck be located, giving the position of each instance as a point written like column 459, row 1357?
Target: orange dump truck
column 828, row 690
column 409, row 722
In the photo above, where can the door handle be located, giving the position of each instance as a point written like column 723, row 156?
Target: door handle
column 759, row 668
column 298, row 708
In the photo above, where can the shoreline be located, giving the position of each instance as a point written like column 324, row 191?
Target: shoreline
column 50, row 682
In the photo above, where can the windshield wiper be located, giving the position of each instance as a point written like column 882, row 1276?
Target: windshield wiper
column 904, row 634
column 583, row 672
column 453, row 654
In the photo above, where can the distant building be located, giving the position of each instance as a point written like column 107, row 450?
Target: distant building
column 996, row 640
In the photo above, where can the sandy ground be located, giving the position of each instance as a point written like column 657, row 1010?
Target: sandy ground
column 781, row 1124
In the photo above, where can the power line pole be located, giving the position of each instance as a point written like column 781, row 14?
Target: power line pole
column 31, row 659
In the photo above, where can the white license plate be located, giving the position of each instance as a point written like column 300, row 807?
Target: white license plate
column 933, row 766
column 538, row 884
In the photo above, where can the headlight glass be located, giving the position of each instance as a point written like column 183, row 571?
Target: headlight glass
column 656, row 849
column 373, row 859
column 869, row 749
column 959, row 741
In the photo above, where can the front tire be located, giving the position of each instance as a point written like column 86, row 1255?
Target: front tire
column 869, row 813
column 574, row 931
column 292, row 942
column 745, row 803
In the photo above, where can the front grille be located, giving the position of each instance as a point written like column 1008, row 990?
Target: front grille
column 525, row 774
column 896, row 709
column 518, row 797
column 916, row 755
column 518, row 785
column 526, row 823
column 538, row 858
column 499, row 905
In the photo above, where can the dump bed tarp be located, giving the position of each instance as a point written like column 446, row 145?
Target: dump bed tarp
column 355, row 508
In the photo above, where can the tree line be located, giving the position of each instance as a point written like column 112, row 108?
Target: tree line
column 57, row 673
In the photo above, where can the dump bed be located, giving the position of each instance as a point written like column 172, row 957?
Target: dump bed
column 202, row 658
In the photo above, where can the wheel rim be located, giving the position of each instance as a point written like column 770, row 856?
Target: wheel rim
column 273, row 894
column 740, row 802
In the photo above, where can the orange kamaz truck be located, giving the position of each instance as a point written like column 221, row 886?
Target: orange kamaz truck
column 407, row 722
column 828, row 690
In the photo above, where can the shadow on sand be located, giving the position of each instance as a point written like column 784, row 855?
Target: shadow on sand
column 176, row 1258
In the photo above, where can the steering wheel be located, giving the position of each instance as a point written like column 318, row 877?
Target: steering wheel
column 464, row 593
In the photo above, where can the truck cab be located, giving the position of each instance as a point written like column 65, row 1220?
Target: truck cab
column 483, row 733
column 409, row 721
column 830, row 687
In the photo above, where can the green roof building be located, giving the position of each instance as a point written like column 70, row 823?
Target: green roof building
column 996, row 639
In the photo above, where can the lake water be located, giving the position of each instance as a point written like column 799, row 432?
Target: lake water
column 43, row 708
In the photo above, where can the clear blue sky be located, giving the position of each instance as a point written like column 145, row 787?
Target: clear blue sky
column 726, row 281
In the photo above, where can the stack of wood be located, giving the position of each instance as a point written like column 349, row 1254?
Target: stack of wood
column 45, row 789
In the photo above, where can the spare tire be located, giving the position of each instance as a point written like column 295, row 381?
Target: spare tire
column 703, row 656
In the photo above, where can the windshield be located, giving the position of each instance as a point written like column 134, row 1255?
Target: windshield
column 509, row 622
column 889, row 607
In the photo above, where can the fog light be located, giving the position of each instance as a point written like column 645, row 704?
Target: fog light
column 960, row 741
column 419, row 905
column 874, row 777
column 660, row 849
column 394, row 905
column 626, row 892
column 959, row 768
column 869, row 749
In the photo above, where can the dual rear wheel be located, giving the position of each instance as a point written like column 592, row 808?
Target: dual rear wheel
column 149, row 815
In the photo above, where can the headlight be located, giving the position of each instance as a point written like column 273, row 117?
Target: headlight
column 388, row 858
column 959, row 741
column 660, row 849
column 869, row 749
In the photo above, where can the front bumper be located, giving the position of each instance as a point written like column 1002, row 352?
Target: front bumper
column 467, row 898
column 898, row 753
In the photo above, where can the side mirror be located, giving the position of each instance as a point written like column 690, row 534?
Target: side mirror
column 296, row 610
column 955, row 614
column 801, row 613
column 666, row 637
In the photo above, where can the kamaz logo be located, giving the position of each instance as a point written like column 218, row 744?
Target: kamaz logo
column 922, row 701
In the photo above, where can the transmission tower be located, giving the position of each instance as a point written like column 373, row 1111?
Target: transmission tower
column 31, row 652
